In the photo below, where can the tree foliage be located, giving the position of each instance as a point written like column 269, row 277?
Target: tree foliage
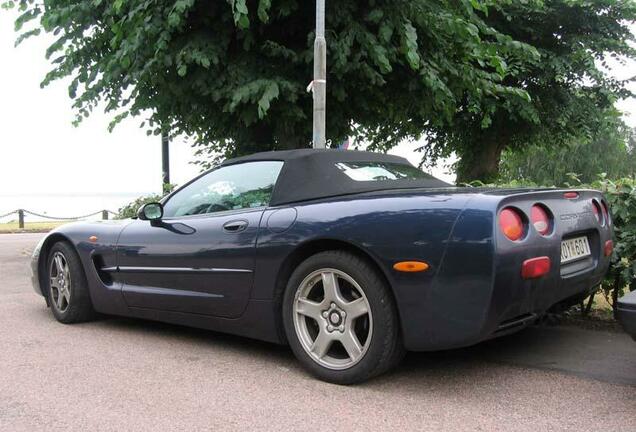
column 608, row 151
column 232, row 74
column 568, row 84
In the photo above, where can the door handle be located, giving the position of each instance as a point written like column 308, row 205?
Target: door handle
column 235, row 226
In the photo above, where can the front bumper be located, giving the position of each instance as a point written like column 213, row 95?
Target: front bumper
column 626, row 311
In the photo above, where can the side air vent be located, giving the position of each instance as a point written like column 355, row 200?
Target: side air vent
column 105, row 277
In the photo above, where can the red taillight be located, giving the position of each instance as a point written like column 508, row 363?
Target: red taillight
column 571, row 195
column 609, row 248
column 511, row 224
column 540, row 219
column 535, row 267
column 606, row 212
column 596, row 208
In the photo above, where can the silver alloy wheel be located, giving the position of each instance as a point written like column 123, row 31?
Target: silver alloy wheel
column 60, row 280
column 332, row 318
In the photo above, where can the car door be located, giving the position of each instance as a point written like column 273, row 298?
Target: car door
column 199, row 258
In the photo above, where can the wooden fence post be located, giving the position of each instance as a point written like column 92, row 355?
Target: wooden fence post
column 21, row 219
column 104, row 214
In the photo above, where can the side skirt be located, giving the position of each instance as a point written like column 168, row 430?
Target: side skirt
column 257, row 322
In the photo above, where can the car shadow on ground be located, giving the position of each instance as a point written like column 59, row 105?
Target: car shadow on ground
column 596, row 355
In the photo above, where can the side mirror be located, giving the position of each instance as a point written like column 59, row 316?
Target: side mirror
column 150, row 212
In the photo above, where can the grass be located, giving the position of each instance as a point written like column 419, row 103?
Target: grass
column 12, row 227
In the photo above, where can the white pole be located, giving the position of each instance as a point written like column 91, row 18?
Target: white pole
column 320, row 78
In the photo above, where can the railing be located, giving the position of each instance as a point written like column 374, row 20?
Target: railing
column 22, row 212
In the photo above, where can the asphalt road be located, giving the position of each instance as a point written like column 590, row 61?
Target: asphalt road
column 122, row 374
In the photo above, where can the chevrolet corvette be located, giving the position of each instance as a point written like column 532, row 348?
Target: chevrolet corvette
column 351, row 258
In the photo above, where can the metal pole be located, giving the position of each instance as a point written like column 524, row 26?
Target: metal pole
column 320, row 78
column 21, row 219
column 165, row 159
column 104, row 214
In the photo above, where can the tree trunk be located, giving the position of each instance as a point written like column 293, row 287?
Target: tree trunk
column 481, row 160
column 255, row 139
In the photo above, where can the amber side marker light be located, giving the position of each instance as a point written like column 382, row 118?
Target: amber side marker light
column 411, row 266
column 92, row 239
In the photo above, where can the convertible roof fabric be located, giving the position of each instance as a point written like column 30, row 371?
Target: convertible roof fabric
column 312, row 174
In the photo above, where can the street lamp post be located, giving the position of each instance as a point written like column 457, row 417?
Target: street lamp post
column 165, row 160
column 320, row 78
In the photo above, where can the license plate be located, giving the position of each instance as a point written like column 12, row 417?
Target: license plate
column 574, row 249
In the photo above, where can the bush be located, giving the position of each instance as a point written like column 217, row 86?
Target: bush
column 130, row 210
column 621, row 197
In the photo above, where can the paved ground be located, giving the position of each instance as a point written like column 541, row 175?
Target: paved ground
column 120, row 374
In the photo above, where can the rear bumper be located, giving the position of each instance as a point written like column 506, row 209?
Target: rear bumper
column 478, row 291
column 472, row 311
column 626, row 312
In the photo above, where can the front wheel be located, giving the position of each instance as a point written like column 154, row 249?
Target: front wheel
column 340, row 318
column 67, row 287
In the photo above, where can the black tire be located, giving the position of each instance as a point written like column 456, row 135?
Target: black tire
column 385, row 348
column 78, row 307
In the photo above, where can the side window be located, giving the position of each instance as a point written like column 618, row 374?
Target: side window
column 234, row 187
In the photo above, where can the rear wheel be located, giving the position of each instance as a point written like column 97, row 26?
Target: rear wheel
column 340, row 318
column 67, row 286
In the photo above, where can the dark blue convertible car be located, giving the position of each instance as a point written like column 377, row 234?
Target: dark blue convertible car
column 351, row 258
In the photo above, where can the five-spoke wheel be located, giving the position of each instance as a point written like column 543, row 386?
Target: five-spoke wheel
column 60, row 280
column 340, row 318
column 67, row 287
column 333, row 318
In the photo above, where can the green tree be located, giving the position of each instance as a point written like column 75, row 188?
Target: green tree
column 608, row 151
column 569, row 88
column 232, row 74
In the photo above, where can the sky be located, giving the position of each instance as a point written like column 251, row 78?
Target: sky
column 43, row 153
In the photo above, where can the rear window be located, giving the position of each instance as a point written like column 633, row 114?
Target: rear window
column 381, row 171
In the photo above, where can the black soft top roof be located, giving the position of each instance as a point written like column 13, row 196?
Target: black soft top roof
column 312, row 174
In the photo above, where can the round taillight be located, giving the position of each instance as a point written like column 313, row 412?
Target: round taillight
column 598, row 213
column 540, row 219
column 606, row 212
column 511, row 223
